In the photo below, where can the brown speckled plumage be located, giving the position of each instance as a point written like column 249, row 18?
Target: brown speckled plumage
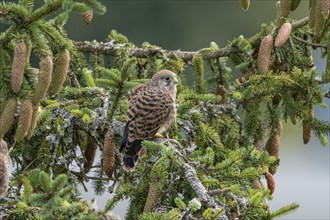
column 152, row 109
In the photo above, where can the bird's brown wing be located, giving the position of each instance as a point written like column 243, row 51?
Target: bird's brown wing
column 147, row 112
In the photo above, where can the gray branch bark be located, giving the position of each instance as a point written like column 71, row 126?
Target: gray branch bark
column 110, row 48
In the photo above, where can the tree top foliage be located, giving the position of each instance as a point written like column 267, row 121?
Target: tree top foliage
column 225, row 140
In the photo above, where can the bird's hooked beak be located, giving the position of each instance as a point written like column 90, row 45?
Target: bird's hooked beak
column 175, row 81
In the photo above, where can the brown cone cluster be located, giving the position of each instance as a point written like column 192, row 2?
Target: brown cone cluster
column 245, row 4
column 89, row 153
column 4, row 168
column 270, row 182
column 256, row 184
column 88, row 16
column 60, row 72
column 24, row 120
column 44, row 79
column 295, row 4
column 34, row 121
column 18, row 65
column 273, row 145
column 307, row 130
column 264, row 54
column 283, row 34
column 283, row 12
column 155, row 189
column 221, row 91
column 109, row 153
column 325, row 8
column 7, row 116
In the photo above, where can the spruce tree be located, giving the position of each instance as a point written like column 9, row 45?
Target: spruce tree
column 55, row 116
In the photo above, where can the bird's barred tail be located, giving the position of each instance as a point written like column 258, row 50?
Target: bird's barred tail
column 131, row 155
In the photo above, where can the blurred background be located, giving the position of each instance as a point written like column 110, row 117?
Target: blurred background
column 303, row 175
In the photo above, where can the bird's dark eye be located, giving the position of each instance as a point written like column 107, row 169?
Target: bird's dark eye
column 167, row 78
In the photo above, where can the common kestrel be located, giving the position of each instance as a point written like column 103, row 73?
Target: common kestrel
column 152, row 109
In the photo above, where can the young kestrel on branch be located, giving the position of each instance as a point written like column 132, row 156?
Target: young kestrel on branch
column 151, row 111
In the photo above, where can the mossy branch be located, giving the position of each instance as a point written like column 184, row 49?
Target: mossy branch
column 110, row 48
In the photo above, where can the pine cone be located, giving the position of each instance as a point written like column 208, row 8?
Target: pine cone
column 294, row 4
column 109, row 150
column 270, row 182
column 325, row 8
column 283, row 34
column 245, row 4
column 18, row 65
column 318, row 22
column 28, row 51
column 221, row 91
column 264, row 54
column 311, row 20
column 307, row 130
column 326, row 76
column 89, row 153
column 273, row 145
column 283, row 12
column 4, row 168
column 34, row 121
column 7, row 116
column 24, row 120
column 44, row 79
column 256, row 184
column 60, row 72
column 88, row 16
column 155, row 189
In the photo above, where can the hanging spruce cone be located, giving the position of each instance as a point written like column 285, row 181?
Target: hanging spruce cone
column 18, row 65
column 283, row 34
column 34, row 121
column 60, row 72
column 34, row 76
column 88, row 16
column 24, row 120
column 109, row 150
column 273, row 149
column 44, row 79
column 318, row 22
column 311, row 18
column 273, row 145
column 326, row 76
column 28, row 51
column 264, row 54
column 307, row 130
column 89, row 153
column 221, row 91
column 245, row 4
column 155, row 189
column 283, row 12
column 270, row 182
column 294, row 4
column 7, row 116
column 256, row 184
column 4, row 168
column 325, row 8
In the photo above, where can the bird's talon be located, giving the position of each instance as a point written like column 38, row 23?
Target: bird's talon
column 157, row 135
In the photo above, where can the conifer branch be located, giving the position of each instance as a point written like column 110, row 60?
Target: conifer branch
column 44, row 10
column 110, row 48
column 310, row 43
column 39, row 13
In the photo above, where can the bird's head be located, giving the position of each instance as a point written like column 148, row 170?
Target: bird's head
column 165, row 78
